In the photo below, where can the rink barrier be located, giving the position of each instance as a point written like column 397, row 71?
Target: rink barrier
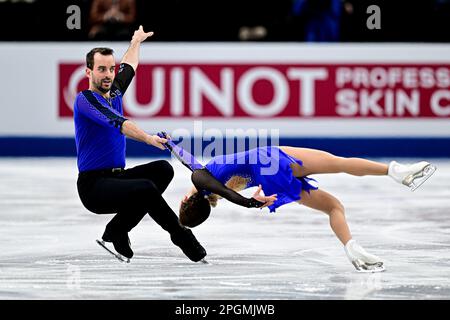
column 416, row 147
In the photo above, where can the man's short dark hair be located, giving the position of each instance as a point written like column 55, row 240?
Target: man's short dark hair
column 90, row 55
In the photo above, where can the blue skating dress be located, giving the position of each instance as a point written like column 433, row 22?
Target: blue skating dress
column 268, row 166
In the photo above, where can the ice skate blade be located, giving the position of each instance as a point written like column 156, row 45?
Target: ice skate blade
column 418, row 179
column 204, row 261
column 374, row 270
column 369, row 268
column 116, row 255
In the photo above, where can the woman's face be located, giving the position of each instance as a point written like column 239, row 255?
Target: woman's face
column 187, row 196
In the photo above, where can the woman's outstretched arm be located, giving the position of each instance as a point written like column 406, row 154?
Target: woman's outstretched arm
column 204, row 180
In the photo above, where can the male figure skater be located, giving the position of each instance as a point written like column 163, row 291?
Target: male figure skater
column 104, row 185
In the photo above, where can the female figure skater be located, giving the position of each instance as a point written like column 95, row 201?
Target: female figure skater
column 283, row 172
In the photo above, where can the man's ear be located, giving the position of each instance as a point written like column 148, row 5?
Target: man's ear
column 88, row 72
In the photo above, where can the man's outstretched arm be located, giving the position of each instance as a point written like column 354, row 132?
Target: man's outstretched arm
column 131, row 57
column 130, row 61
column 131, row 130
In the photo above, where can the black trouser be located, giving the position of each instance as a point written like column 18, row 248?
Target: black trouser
column 130, row 194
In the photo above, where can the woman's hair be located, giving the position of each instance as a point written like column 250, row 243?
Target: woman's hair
column 194, row 210
column 197, row 208
column 236, row 183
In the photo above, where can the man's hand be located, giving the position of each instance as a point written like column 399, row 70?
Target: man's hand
column 140, row 36
column 269, row 200
column 131, row 57
column 156, row 141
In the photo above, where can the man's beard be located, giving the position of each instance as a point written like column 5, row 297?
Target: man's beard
column 101, row 88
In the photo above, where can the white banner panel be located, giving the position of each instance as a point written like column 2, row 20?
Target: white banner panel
column 320, row 90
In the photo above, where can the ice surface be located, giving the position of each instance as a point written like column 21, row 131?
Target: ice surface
column 48, row 249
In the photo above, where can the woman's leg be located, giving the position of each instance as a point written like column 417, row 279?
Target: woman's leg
column 325, row 202
column 317, row 161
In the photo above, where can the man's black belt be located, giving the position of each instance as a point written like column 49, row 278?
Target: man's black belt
column 101, row 172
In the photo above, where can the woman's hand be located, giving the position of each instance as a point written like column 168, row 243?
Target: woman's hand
column 268, row 200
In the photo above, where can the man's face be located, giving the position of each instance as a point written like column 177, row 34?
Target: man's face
column 102, row 74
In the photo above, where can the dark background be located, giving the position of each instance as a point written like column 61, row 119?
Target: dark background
column 218, row 20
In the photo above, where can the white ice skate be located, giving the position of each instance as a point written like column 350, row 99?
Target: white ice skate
column 413, row 175
column 361, row 259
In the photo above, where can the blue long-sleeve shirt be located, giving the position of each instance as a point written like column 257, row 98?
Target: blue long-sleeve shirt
column 98, row 122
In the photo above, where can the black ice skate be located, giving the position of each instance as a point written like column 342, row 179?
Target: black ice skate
column 121, row 244
column 187, row 242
